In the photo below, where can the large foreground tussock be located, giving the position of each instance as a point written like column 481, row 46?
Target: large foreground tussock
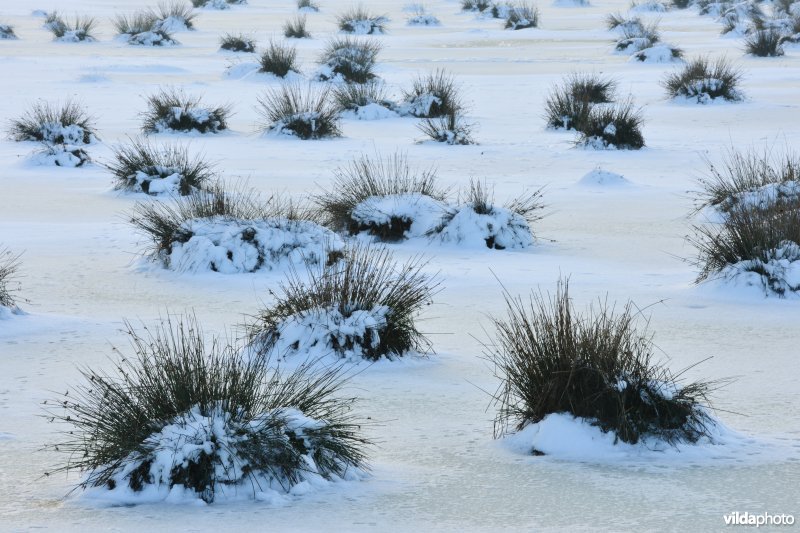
column 189, row 414
column 598, row 366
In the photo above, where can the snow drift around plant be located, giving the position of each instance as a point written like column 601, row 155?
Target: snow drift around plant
column 565, row 437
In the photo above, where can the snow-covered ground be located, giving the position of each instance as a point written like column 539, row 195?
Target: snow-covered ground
column 436, row 465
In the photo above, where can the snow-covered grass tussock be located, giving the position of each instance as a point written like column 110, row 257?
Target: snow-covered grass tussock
column 522, row 16
column 384, row 197
column 232, row 230
column 167, row 169
column 237, row 43
column 419, row 16
column 151, row 27
column 7, row 32
column 451, row 129
column 764, row 43
column 348, row 59
column 637, row 37
column 363, row 306
column 217, row 4
column 61, row 155
column 598, row 366
column 757, row 241
column 614, row 126
column 80, row 29
column 172, row 110
column 704, row 80
column 364, row 100
column 305, row 113
column 358, row 20
column 568, row 103
column 66, row 123
column 190, row 418
column 478, row 221
column 307, row 5
column 278, row 59
column 433, row 95
column 623, row 23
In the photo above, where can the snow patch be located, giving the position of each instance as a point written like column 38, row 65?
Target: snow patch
column 778, row 273
column 500, row 229
column 660, row 53
column 420, row 213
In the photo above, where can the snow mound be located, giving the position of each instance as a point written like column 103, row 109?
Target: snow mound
column 370, row 112
column 319, row 332
column 371, row 26
column 705, row 91
column 660, row 53
column 217, row 444
column 172, row 25
column 232, row 246
column 193, row 119
column 778, row 273
column 500, row 229
column 7, row 312
column 603, row 178
column 75, row 36
column 221, row 4
column 563, row 436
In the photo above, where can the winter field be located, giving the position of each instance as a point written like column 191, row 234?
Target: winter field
column 435, row 465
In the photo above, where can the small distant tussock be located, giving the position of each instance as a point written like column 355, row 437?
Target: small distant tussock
column 7, row 32
column 450, row 129
column 704, row 80
column 620, row 22
column 351, row 96
column 306, row 113
column 217, row 4
column 66, row 123
column 360, row 21
column 143, row 28
column 278, row 59
column 764, row 43
column 476, row 5
column 568, row 104
column 433, row 95
column 296, row 28
column 522, row 16
column 365, row 305
column 237, row 43
column 636, row 38
column 350, row 59
column 615, row 126
column 140, row 166
column 598, row 366
column 419, row 16
column 368, row 177
column 189, row 413
column 307, row 5
column 79, row 29
column 171, row 109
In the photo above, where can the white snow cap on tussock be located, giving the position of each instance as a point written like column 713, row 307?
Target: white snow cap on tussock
column 766, row 196
column 318, row 333
column 502, row 228
column 648, row 6
column 149, row 38
column 370, row 112
column 232, row 246
column 563, row 436
column 659, row 53
column 424, row 212
column 61, row 155
column 603, row 178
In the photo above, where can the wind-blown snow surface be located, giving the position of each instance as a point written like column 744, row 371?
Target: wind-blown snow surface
column 437, row 467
